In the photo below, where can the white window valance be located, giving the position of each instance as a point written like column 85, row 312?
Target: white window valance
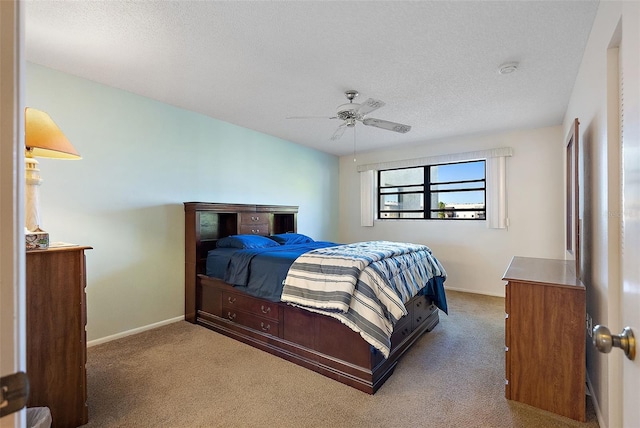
column 496, row 181
column 431, row 160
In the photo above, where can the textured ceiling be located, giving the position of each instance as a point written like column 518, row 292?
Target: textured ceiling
column 255, row 63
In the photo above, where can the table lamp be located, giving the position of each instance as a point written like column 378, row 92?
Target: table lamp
column 44, row 139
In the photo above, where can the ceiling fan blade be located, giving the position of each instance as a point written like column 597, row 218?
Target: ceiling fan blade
column 311, row 117
column 370, row 105
column 336, row 135
column 385, row 124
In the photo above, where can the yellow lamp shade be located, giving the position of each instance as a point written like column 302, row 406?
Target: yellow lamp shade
column 44, row 139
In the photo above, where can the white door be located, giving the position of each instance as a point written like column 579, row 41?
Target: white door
column 12, row 282
column 630, row 310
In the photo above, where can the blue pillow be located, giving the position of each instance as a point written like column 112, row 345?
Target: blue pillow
column 291, row 238
column 246, row 241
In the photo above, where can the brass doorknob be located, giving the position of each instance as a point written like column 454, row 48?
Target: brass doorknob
column 604, row 341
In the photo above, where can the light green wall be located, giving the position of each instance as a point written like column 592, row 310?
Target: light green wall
column 141, row 160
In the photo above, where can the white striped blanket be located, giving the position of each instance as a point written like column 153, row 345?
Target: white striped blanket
column 364, row 285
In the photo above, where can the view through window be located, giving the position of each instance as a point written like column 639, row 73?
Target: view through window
column 453, row 191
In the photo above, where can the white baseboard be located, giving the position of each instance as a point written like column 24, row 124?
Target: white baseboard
column 596, row 405
column 133, row 331
column 464, row 290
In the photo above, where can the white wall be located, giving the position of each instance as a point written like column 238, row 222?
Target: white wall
column 474, row 256
column 600, row 190
column 141, row 160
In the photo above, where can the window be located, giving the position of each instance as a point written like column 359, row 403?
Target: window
column 452, row 191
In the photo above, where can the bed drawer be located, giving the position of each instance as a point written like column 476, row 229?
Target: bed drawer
column 421, row 310
column 245, row 303
column 401, row 330
column 265, row 325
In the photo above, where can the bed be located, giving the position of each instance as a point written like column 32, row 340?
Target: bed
column 319, row 338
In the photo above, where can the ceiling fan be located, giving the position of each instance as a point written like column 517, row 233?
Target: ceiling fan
column 351, row 112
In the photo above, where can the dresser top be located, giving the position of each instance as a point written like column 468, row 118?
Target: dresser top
column 55, row 249
column 543, row 271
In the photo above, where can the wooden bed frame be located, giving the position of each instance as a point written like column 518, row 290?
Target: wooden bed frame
column 311, row 340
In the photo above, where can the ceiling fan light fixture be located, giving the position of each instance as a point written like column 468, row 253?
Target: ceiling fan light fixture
column 348, row 111
column 508, row 68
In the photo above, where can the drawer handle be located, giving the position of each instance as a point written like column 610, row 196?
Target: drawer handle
column 419, row 303
column 265, row 311
column 405, row 331
column 231, row 299
column 255, row 231
column 265, row 327
column 419, row 319
column 231, row 316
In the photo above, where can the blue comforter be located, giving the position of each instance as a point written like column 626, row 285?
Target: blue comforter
column 259, row 272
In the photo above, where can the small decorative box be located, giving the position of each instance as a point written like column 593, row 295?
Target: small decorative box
column 37, row 240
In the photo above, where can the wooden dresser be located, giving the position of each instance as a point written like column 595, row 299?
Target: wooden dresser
column 545, row 330
column 56, row 336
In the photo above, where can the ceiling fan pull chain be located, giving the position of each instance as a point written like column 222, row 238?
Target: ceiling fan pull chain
column 354, row 143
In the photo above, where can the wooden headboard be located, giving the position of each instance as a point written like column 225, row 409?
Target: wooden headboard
column 206, row 222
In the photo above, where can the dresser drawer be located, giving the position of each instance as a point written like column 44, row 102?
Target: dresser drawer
column 254, row 229
column 254, row 218
column 243, row 302
column 254, row 223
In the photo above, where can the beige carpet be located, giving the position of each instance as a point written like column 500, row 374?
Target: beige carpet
column 183, row 375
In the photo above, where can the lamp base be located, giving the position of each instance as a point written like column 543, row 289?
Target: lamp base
column 36, row 240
